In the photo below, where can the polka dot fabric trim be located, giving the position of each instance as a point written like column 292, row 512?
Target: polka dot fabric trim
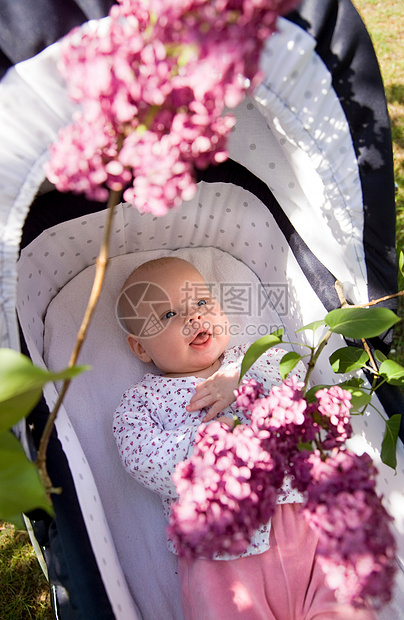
column 221, row 215
column 33, row 106
column 299, row 143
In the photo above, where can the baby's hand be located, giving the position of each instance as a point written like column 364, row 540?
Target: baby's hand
column 217, row 392
column 224, row 420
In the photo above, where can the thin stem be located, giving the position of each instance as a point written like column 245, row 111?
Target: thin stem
column 371, row 358
column 378, row 301
column 314, row 357
column 373, row 302
column 379, row 412
column 101, row 265
column 300, row 344
column 340, row 293
column 344, row 304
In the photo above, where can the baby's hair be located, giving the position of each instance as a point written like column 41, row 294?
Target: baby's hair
column 141, row 272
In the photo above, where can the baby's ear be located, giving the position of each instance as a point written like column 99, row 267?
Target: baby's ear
column 138, row 349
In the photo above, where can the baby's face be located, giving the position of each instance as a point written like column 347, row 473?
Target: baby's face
column 191, row 330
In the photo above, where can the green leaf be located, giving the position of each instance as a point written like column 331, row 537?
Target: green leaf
column 379, row 356
column 288, row 362
column 21, row 385
column 360, row 397
column 352, row 382
column 313, row 326
column 311, row 393
column 389, row 444
column 258, row 348
column 392, row 372
column 305, row 446
column 20, row 487
column 348, row 359
column 401, row 262
column 357, row 323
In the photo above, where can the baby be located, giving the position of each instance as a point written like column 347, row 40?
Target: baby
column 173, row 320
column 193, row 335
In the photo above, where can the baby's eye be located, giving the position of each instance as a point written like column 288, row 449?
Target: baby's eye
column 202, row 302
column 168, row 315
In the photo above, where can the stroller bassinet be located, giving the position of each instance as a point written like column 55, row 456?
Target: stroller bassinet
column 306, row 197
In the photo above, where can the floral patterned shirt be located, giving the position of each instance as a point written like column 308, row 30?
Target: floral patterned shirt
column 154, row 431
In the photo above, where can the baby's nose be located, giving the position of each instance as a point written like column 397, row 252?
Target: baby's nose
column 195, row 316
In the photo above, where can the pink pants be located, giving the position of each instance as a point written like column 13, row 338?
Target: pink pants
column 283, row 583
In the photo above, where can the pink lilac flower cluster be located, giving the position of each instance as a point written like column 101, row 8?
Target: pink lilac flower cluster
column 153, row 82
column 356, row 547
column 282, row 420
column 334, row 404
column 227, row 489
column 306, row 442
column 247, row 395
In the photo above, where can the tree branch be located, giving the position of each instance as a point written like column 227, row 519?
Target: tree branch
column 101, row 265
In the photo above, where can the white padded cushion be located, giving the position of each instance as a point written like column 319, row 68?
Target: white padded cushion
column 134, row 514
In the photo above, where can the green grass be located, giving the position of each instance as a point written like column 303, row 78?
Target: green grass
column 24, row 593
column 385, row 23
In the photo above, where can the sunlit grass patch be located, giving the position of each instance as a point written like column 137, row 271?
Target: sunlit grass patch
column 24, row 591
column 385, row 23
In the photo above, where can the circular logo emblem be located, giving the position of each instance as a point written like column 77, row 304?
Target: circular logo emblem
column 137, row 309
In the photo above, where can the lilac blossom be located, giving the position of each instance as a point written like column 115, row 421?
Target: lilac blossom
column 356, row 547
column 334, row 404
column 228, row 487
column 283, row 415
column 247, row 395
column 284, row 405
column 157, row 72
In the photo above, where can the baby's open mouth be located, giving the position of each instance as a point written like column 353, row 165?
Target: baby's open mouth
column 202, row 338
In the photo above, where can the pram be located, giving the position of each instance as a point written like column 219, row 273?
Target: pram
column 307, row 197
